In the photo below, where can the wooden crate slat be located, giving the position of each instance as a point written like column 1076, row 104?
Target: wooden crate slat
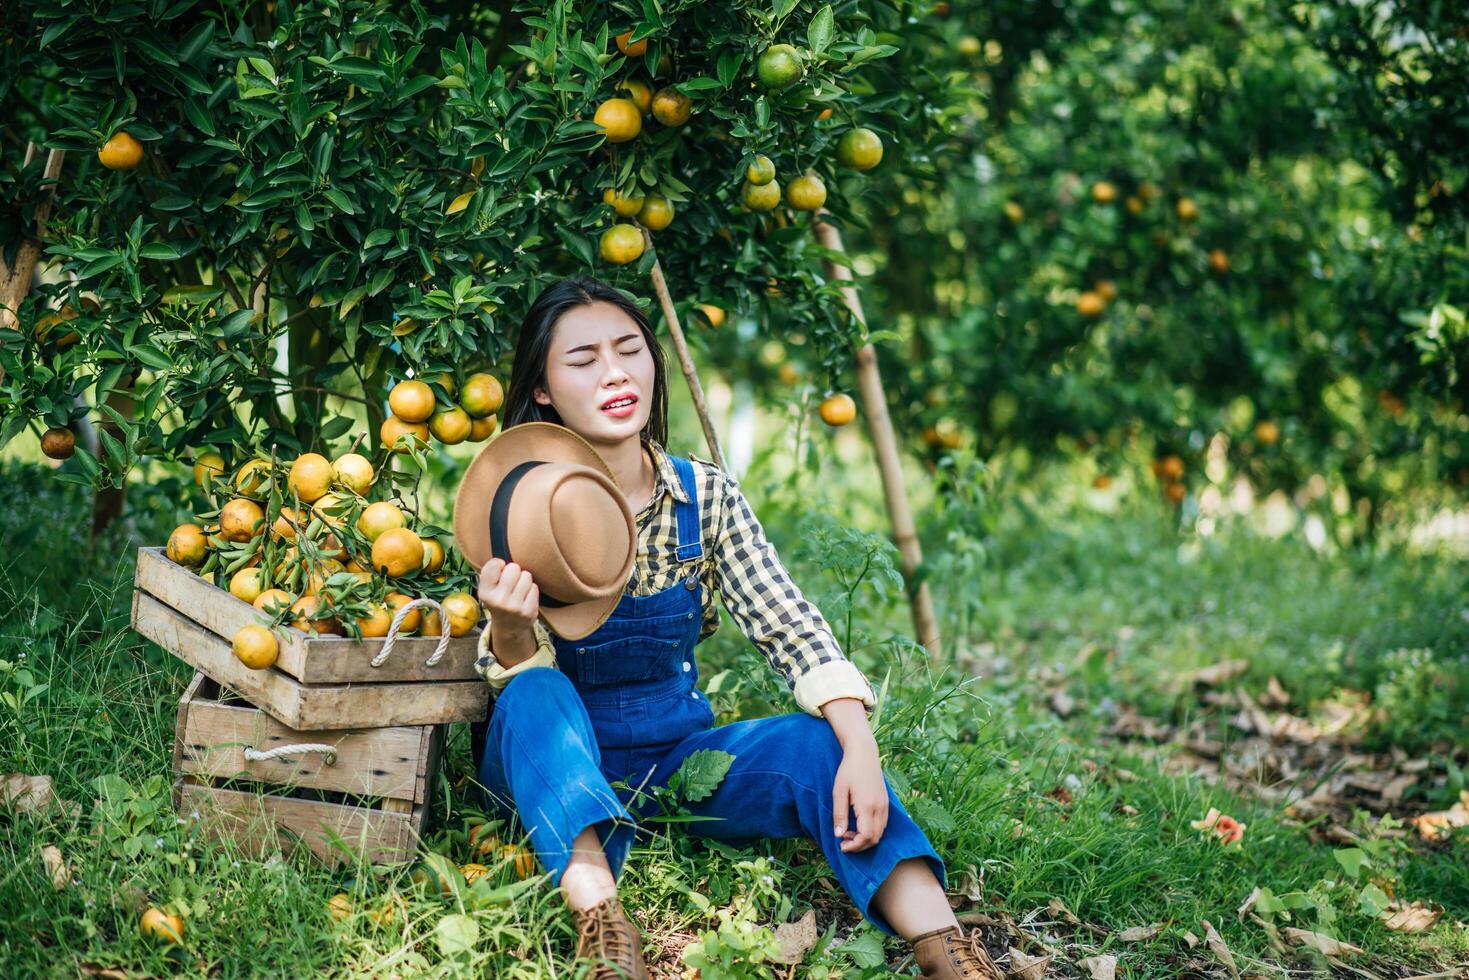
column 308, row 707
column 308, row 658
column 370, row 762
column 258, row 823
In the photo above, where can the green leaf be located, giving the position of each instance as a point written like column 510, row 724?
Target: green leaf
column 701, row 772
column 340, row 200
column 1374, row 900
column 456, row 934
column 151, row 356
column 864, row 950
column 1352, row 860
column 264, row 67
column 158, row 250
column 819, row 31
column 337, row 427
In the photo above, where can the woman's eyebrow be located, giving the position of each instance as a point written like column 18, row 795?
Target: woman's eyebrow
column 629, row 336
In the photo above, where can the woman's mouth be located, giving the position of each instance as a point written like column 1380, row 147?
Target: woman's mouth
column 620, row 408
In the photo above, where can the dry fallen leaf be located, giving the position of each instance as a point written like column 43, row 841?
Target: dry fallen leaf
column 1139, row 933
column 105, row 972
column 1190, row 939
column 1320, row 942
column 1275, row 696
column 1417, row 917
column 1433, row 826
column 26, row 794
column 57, row 869
column 1026, row 967
column 1216, row 674
column 971, row 883
column 1058, row 909
column 796, row 938
column 1220, row 947
column 1102, row 967
column 1249, row 903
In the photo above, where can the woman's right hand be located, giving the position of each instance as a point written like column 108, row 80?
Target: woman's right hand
column 509, row 594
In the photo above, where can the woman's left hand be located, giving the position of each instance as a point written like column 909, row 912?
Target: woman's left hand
column 860, row 786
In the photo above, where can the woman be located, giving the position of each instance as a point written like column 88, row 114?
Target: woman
column 557, row 740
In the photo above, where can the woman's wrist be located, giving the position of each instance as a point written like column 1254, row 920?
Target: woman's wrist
column 848, row 720
column 512, row 644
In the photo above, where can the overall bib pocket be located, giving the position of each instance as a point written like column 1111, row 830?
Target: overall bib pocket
column 625, row 660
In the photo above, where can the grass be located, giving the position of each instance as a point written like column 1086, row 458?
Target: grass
column 1032, row 811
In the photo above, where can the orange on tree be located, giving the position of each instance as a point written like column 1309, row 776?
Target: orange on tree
column 156, row 925
column 310, row 476
column 1170, row 467
column 1104, row 192
column 306, row 609
column 824, row 114
column 621, row 244
column 1175, row 492
column 760, row 171
column 241, row 519
column 433, row 555
column 255, row 646
column 187, row 545
column 353, row 471
column 631, row 48
column 806, row 193
column 656, row 213
column 450, row 426
column 247, row 584
column 270, row 598
column 411, row 401
column 1134, row 204
column 671, row 107
column 208, row 466
column 399, row 435
column 712, row 313
column 859, row 149
column 639, row 91
column 463, row 611
column 1107, row 289
column 625, row 205
column 1219, row 260
column 251, row 477
column 1187, row 209
column 58, row 442
column 620, row 120
column 397, row 551
column 482, row 429
column 380, row 516
column 1102, row 481
column 761, row 197
column 779, row 66
column 789, row 373
column 1090, row 304
column 1267, row 432
column 396, row 601
column 838, row 409
column 482, row 394
column 122, row 151
column 1014, row 212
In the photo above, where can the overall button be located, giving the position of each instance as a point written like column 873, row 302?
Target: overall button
column 691, row 583
column 689, row 616
column 581, row 649
column 686, row 667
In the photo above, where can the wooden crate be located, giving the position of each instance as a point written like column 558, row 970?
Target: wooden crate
column 317, row 682
column 373, row 797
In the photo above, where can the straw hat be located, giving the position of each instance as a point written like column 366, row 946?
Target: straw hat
column 539, row 495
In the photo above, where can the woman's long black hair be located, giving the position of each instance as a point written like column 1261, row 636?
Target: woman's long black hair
column 533, row 346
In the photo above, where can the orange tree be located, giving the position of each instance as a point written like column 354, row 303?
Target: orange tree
column 271, row 211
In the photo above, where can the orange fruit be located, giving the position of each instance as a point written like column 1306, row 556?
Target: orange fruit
column 1014, row 212
column 789, row 373
column 411, row 401
column 272, row 597
column 463, row 611
column 255, row 646
column 1102, row 481
column 625, row 207
column 1104, row 192
column 1219, row 260
column 761, row 170
column 187, row 545
column 472, row 871
column 433, row 555
column 638, row 91
column 396, row 601
column 400, row 436
column 310, row 476
column 241, row 519
column 324, row 570
column 656, row 213
column 324, row 507
column 621, row 244
column 482, row 395
column 156, row 925
column 1187, row 209
column 284, row 526
column 121, row 152
column 1090, row 304
column 339, row 906
column 1267, row 432
column 761, row 197
column 631, row 48
column 1106, row 289
column 620, row 120
column 250, row 479
column 58, row 442
column 824, row 114
column 450, row 426
column 482, row 429
column 353, row 471
column 712, row 313
column 247, row 584
column 1170, row 467
column 378, row 517
column 208, row 466
column 779, row 66
column 1134, row 205
column 839, row 409
column 1175, row 492
column 859, row 149
column 376, row 622
column 806, row 193
column 308, row 606
column 522, row 860
column 671, row 107
column 397, row 551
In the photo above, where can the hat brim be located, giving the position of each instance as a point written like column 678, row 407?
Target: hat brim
column 531, row 440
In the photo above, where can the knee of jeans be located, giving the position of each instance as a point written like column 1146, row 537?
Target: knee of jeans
column 538, row 689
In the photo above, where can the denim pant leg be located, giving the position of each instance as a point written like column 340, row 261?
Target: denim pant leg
column 541, row 759
column 780, row 785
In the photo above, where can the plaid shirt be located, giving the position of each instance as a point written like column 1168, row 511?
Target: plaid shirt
column 740, row 566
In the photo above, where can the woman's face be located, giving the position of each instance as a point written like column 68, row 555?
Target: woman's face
column 598, row 355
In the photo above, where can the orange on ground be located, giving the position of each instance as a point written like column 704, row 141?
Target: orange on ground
column 339, row 906
column 156, row 925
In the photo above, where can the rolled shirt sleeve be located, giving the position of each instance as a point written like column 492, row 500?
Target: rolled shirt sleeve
column 497, row 676
column 769, row 607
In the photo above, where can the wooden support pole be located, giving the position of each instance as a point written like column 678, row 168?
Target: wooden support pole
column 880, row 428
column 685, row 360
column 15, row 280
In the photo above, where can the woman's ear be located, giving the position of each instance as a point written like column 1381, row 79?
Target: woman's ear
column 539, row 394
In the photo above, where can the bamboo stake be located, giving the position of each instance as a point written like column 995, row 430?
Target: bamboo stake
column 16, row 281
column 880, row 429
column 685, row 360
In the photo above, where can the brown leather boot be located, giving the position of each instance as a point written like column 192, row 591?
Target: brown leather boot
column 950, row 954
column 606, row 935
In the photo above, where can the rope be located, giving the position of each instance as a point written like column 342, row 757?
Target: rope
column 256, row 755
column 397, row 622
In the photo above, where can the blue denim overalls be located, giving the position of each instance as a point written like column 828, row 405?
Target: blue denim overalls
column 623, row 705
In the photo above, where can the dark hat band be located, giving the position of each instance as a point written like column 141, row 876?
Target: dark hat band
column 500, row 514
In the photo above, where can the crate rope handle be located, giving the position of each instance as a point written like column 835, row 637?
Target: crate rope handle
column 397, row 622
column 253, row 754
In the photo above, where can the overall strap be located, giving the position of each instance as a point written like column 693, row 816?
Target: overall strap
column 690, row 545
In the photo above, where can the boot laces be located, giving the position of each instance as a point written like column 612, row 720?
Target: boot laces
column 598, row 926
column 967, row 952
